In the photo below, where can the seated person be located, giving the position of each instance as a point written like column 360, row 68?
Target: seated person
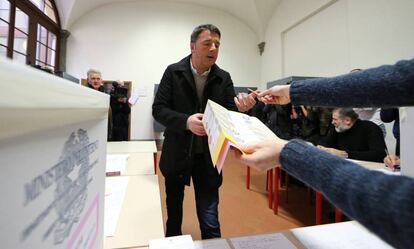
column 354, row 138
column 389, row 115
column 392, row 162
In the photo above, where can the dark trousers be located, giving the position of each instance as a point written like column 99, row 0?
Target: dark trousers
column 207, row 200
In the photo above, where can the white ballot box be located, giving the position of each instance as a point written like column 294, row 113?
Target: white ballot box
column 52, row 156
column 407, row 140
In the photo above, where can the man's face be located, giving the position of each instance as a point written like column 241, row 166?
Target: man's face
column 341, row 124
column 205, row 49
column 95, row 80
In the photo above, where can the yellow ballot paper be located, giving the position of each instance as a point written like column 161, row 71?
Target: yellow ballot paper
column 226, row 128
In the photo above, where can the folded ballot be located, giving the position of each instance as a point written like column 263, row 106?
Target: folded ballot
column 226, row 128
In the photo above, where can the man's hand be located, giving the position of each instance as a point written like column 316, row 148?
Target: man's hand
column 392, row 162
column 340, row 153
column 245, row 101
column 195, row 125
column 276, row 95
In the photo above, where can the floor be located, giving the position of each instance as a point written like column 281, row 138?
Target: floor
column 243, row 211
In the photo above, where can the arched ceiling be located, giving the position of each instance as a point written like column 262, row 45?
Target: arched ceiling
column 254, row 13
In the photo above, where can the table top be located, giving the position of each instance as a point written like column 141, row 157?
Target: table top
column 131, row 147
column 141, row 218
column 139, row 164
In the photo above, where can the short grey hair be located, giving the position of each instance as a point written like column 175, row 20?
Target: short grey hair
column 93, row 71
column 346, row 113
column 200, row 28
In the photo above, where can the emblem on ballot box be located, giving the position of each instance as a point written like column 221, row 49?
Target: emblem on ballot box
column 67, row 181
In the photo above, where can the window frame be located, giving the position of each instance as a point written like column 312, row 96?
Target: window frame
column 36, row 16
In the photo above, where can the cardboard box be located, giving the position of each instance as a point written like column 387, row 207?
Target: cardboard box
column 52, row 156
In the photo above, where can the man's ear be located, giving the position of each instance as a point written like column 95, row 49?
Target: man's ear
column 192, row 47
column 348, row 120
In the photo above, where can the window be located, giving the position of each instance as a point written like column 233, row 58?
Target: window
column 4, row 26
column 30, row 32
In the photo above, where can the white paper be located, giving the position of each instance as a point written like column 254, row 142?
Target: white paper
column 389, row 172
column 115, row 189
column 263, row 241
column 344, row 235
column 116, row 162
column 211, row 244
column 134, row 97
column 176, row 242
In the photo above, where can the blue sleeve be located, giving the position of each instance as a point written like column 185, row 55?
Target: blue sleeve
column 382, row 203
column 384, row 86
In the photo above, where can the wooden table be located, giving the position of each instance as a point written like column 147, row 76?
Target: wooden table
column 141, row 218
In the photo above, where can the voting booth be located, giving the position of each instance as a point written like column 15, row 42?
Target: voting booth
column 52, row 155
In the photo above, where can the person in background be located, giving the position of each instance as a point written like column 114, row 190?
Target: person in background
column 354, row 138
column 388, row 115
column 120, row 114
column 305, row 123
column 382, row 203
column 370, row 113
column 94, row 79
column 179, row 103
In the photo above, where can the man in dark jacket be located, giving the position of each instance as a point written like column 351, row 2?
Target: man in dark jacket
column 354, row 138
column 179, row 103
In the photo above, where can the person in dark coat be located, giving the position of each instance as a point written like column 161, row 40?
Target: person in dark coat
column 178, row 105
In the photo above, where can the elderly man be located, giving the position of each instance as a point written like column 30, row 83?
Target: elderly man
column 179, row 104
column 354, row 138
column 95, row 80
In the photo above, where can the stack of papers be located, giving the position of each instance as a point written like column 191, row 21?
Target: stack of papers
column 176, row 242
column 116, row 164
column 226, row 128
column 115, row 189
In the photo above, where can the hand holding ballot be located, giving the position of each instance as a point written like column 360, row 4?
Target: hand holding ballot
column 195, row 125
column 228, row 128
column 262, row 156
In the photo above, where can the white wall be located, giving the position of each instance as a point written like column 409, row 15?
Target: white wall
column 325, row 38
column 136, row 41
column 368, row 33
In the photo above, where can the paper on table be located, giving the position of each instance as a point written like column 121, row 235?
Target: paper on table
column 116, row 162
column 344, row 235
column 212, row 244
column 115, row 189
column 263, row 241
column 389, row 172
column 175, row 242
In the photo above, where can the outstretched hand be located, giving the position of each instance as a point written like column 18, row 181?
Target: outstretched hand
column 275, row 95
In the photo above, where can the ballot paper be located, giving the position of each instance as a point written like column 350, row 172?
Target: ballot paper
column 226, row 128
column 263, row 241
column 175, row 242
column 116, row 164
column 212, row 244
column 115, row 190
column 344, row 235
